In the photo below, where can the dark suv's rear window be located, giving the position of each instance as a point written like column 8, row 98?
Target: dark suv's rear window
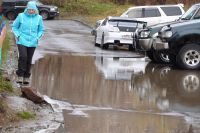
column 8, row 3
column 172, row 11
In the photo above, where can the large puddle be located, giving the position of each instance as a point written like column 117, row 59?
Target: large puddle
column 120, row 95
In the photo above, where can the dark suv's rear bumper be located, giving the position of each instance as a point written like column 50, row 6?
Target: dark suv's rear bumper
column 54, row 14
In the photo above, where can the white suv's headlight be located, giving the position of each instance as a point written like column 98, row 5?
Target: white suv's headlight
column 144, row 34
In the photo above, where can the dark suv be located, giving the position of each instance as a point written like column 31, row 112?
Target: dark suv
column 11, row 8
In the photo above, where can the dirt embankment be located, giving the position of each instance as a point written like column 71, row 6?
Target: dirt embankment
column 19, row 115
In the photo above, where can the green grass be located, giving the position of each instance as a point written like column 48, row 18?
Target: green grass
column 26, row 115
column 5, row 85
column 6, row 45
column 91, row 10
column 86, row 7
column 2, row 107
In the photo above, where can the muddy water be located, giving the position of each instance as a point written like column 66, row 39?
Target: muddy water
column 120, row 95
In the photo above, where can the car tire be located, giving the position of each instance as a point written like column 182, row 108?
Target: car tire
column 44, row 14
column 157, row 56
column 172, row 58
column 115, row 47
column 11, row 15
column 150, row 55
column 130, row 47
column 51, row 18
column 189, row 57
column 103, row 46
column 188, row 82
column 161, row 57
column 95, row 41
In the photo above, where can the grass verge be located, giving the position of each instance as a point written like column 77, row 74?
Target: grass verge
column 6, row 114
column 6, row 45
column 5, row 85
column 91, row 10
column 26, row 115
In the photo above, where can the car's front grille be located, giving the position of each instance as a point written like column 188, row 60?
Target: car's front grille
column 127, row 29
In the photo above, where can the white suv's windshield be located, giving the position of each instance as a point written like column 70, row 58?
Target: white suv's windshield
column 190, row 12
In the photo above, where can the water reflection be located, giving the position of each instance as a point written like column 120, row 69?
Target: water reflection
column 107, row 121
column 119, row 68
column 77, row 80
column 82, row 80
column 144, row 91
column 171, row 89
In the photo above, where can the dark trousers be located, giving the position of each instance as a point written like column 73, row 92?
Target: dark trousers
column 24, row 61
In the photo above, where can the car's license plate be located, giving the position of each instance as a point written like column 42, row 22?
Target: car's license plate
column 126, row 36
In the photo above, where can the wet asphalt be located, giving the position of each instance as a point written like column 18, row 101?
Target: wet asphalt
column 113, row 91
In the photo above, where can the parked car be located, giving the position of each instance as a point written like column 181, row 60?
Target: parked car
column 119, row 68
column 11, row 8
column 181, row 41
column 146, row 37
column 117, row 31
column 94, row 29
column 155, row 14
column 170, row 89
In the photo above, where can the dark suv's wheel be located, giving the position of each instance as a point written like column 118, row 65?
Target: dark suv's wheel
column 157, row 56
column 161, row 57
column 189, row 57
column 44, row 14
column 11, row 15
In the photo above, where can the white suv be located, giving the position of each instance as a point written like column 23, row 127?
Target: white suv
column 155, row 14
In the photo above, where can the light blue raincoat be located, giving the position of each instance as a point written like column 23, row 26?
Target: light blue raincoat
column 28, row 28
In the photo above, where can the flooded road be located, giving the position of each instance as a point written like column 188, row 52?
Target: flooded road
column 114, row 91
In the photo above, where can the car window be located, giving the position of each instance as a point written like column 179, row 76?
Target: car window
column 135, row 13
column 151, row 12
column 197, row 15
column 104, row 22
column 127, row 24
column 21, row 2
column 113, row 23
column 124, row 23
column 172, row 11
column 190, row 12
column 8, row 3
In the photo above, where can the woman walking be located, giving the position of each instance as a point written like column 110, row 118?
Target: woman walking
column 28, row 28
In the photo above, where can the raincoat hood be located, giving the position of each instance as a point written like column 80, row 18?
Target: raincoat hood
column 28, row 28
column 31, row 5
